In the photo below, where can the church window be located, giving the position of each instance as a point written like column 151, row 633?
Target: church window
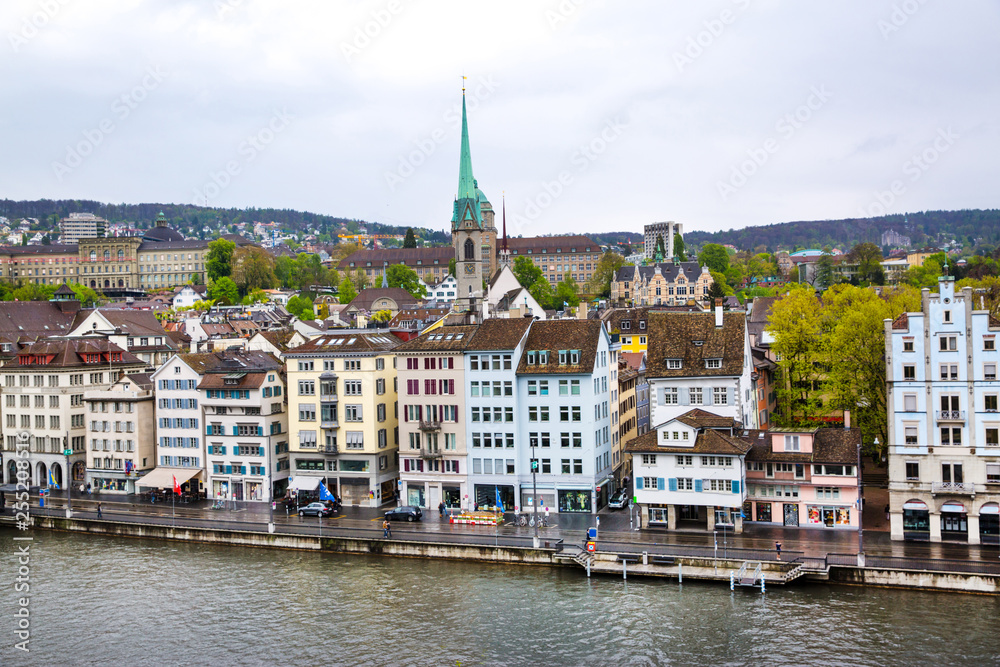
column 470, row 249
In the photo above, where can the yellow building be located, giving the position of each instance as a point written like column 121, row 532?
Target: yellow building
column 343, row 416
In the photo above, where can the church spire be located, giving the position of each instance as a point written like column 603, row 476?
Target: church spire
column 467, row 206
column 504, row 204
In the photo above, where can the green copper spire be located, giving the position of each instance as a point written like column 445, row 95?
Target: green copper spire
column 466, row 201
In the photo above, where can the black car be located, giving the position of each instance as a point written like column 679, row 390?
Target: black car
column 316, row 509
column 404, row 513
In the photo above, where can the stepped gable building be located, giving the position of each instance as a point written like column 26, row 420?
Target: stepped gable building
column 666, row 284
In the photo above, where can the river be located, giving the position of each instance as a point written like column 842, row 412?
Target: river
column 117, row 601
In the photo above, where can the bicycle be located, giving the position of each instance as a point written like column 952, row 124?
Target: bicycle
column 519, row 520
column 542, row 522
column 219, row 505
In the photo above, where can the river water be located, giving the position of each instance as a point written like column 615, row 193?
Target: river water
column 117, row 601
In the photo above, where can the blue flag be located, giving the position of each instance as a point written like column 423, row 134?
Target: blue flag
column 52, row 479
column 499, row 501
column 324, row 493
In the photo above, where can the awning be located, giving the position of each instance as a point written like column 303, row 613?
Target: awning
column 953, row 507
column 163, row 478
column 990, row 508
column 303, row 483
column 914, row 505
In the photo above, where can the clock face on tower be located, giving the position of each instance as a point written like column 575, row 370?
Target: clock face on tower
column 470, row 269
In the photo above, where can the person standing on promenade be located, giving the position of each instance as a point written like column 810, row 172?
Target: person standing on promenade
column 99, row 515
column 386, row 529
column 777, row 547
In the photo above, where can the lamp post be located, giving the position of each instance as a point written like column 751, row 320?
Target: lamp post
column 861, row 510
column 66, row 478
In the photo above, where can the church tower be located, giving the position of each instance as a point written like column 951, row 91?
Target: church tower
column 473, row 233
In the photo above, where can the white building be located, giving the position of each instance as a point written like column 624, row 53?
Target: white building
column 445, row 291
column 699, row 360
column 660, row 230
column 120, row 434
column 944, row 426
column 180, row 446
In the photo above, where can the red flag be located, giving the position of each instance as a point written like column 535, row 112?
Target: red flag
column 177, row 487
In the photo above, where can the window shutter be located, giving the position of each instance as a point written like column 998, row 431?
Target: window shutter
column 222, row 450
column 638, row 482
column 672, row 483
column 210, row 449
column 260, row 431
column 243, row 470
column 276, row 450
column 659, row 483
column 455, row 465
column 732, row 395
column 736, row 486
column 261, row 448
column 661, row 397
column 406, row 413
column 229, row 470
column 698, row 485
column 682, row 396
column 236, row 430
column 406, row 465
column 455, row 408
column 420, row 412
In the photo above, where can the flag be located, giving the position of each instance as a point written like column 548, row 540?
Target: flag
column 52, row 479
column 324, row 493
column 177, row 487
column 499, row 501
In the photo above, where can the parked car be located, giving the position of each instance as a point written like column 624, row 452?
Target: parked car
column 404, row 513
column 316, row 509
column 619, row 499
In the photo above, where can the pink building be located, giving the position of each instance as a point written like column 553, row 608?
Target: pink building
column 803, row 477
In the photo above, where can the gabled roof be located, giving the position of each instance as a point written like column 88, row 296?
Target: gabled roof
column 698, row 418
column 499, row 334
column 693, row 338
column 707, row 442
column 830, row 445
column 670, row 271
column 129, row 322
column 367, row 297
column 441, row 339
column 347, row 343
column 31, row 319
column 556, row 335
column 68, row 353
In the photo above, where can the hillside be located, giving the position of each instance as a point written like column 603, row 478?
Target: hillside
column 973, row 229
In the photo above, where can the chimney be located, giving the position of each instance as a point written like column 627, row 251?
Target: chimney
column 718, row 313
column 847, row 419
column 581, row 311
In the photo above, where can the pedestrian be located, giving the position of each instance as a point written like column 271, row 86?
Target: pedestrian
column 777, row 547
column 386, row 529
column 441, row 508
column 99, row 511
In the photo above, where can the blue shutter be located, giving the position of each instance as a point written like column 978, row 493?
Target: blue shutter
column 229, row 470
column 698, row 485
column 736, row 486
column 682, row 396
column 261, row 451
column 208, row 429
column 672, row 483
column 638, row 482
column 659, row 483
column 260, row 431
column 210, row 449
column 276, row 450
column 236, row 430
column 222, row 450
column 732, row 395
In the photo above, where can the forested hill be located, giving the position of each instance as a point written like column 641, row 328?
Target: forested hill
column 191, row 219
column 973, row 229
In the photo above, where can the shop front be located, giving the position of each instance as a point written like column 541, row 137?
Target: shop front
column 112, row 483
column 452, row 496
column 954, row 521
column 575, row 500
column 828, row 516
column 989, row 523
column 763, row 512
column 546, row 499
column 416, row 494
column 486, row 496
column 916, row 520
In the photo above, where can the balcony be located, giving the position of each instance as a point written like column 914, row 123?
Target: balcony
column 328, row 449
column 430, row 454
column 329, row 424
column 328, row 398
column 963, row 488
column 950, row 415
column 429, row 425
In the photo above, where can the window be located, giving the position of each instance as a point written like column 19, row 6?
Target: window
column 989, row 343
column 685, row 460
column 907, row 346
column 952, row 473
column 695, row 394
column 909, row 402
column 352, row 387
column 307, row 388
column 649, row 483
column 948, row 343
column 352, row 413
column 910, row 434
column 912, row 470
column 713, row 363
column 685, row 484
column 303, row 366
column 720, row 396
column 648, row 459
column 791, row 443
column 670, row 396
column 949, row 371
column 992, row 436
column 989, row 371
column 951, row 435
column 990, row 402
column 307, row 412
column 909, row 372
column 993, row 473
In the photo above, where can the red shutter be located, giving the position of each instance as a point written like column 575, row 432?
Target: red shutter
column 406, row 413
column 451, row 363
column 406, row 465
column 451, row 386
column 455, row 408
column 455, row 465
column 420, row 412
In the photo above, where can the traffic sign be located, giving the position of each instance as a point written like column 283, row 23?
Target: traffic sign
column 67, row 452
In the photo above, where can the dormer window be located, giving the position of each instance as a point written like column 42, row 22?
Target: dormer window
column 626, row 324
column 563, row 357
column 532, row 358
column 543, row 357
column 574, row 356
column 674, row 364
column 697, row 343
column 642, row 325
column 713, row 363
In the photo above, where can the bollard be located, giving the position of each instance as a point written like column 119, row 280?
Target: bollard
column 732, row 582
column 624, row 569
column 762, row 582
column 645, row 558
column 588, row 569
column 680, row 573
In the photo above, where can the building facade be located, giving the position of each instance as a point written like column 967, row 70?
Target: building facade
column 81, row 226
column 180, row 431
column 660, row 232
column 121, row 436
column 665, row 284
column 944, row 429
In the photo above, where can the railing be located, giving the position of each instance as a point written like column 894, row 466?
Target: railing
column 429, row 454
column 329, row 424
column 429, row 425
column 951, row 415
column 919, row 564
column 328, row 398
column 953, row 487
column 328, row 449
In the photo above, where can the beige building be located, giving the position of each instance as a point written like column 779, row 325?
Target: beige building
column 431, row 370
column 81, row 226
column 343, row 416
column 121, row 434
column 628, row 378
column 666, row 284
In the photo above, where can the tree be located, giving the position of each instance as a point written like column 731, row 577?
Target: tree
column 526, row 272
column 400, row 275
column 284, row 271
column 542, row 292
column 301, row 307
column 256, row 296
column 660, row 250
column 824, row 272
column 197, row 279
column 347, row 292
column 87, row 296
column 451, row 267
column 219, row 258
column 224, row 291
column 309, row 271
column 720, row 286
column 253, row 268
column 323, row 311
column 715, row 257
column 680, row 250
column 360, row 279
column 868, row 257
column 567, row 293
column 410, row 241
column 381, row 316
column 600, row 281
column 33, row 292
column 343, row 251
column 796, row 325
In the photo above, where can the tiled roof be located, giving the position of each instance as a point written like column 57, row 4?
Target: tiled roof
column 552, row 244
column 367, row 297
column 698, row 418
column 20, row 319
column 68, row 353
column 633, row 359
column 218, row 381
column 555, row 335
column 348, row 343
column 693, row 338
column 902, row 323
column 499, row 334
column 130, row 322
column 761, row 311
column 830, row 445
column 441, row 339
column 707, row 442
column 407, row 256
column 670, row 271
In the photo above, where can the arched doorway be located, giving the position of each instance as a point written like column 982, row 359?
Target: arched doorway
column 11, row 473
column 916, row 519
column 107, row 283
column 121, row 283
column 79, row 471
column 41, row 474
column 93, row 283
column 57, row 475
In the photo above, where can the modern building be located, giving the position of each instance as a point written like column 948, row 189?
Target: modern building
column 665, row 284
column 700, row 360
column 803, row 477
column 121, row 434
column 342, row 402
column 81, row 226
column 660, row 232
column 43, row 404
column 433, row 447
column 944, row 430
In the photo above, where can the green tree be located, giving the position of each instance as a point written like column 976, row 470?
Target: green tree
column 360, row 279
column 680, row 250
column 34, row 292
column 824, row 277
column 600, row 281
column 927, row 274
column 451, row 267
column 347, row 292
column 720, row 286
column 323, row 311
column 526, row 272
column 400, row 275
column 381, row 316
column 256, row 296
column 87, row 296
column 301, row 307
column 567, row 292
column 284, row 271
column 253, row 268
column 219, row 258
column 796, row 324
column 715, row 257
column 224, row 291
column 868, row 257
column 410, row 240
column 543, row 293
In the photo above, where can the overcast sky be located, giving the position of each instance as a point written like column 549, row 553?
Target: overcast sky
column 590, row 115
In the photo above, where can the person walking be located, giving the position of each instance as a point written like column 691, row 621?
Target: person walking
column 777, row 547
column 99, row 515
column 441, row 507
column 386, row 529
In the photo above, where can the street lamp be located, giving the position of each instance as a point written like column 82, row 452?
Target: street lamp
column 534, row 493
column 66, row 478
column 861, row 509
